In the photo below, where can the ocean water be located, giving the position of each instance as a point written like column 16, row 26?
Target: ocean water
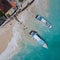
column 51, row 36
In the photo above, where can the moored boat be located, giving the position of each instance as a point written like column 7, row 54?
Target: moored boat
column 40, row 18
column 36, row 36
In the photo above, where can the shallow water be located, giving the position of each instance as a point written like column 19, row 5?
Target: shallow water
column 51, row 36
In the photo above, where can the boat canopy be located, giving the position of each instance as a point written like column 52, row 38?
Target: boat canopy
column 39, row 18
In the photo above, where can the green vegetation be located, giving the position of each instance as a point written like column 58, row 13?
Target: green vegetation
column 20, row 0
column 1, row 14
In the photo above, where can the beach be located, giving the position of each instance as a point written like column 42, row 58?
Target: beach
column 5, row 35
column 29, row 19
column 14, row 32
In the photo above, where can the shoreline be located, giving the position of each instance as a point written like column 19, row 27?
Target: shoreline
column 12, row 41
column 12, row 47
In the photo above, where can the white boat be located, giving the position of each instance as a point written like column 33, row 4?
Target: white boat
column 40, row 18
column 35, row 35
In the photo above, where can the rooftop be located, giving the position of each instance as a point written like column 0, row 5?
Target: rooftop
column 4, row 6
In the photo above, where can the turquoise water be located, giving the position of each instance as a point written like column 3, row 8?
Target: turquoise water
column 51, row 36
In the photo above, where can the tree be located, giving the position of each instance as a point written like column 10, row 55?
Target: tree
column 20, row 0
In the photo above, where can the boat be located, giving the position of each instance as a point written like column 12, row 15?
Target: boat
column 37, row 38
column 40, row 18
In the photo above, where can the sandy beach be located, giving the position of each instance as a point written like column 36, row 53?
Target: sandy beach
column 13, row 31
column 5, row 35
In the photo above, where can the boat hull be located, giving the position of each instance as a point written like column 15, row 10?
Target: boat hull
column 38, row 39
column 41, row 19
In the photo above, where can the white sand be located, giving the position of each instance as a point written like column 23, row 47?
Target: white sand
column 22, row 17
column 12, row 45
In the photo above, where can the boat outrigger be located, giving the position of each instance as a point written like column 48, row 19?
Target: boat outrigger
column 40, row 18
column 36, row 36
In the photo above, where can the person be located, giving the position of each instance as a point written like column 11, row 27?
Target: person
column 25, row 27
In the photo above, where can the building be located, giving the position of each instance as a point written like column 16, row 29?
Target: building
column 2, row 20
column 4, row 6
column 8, row 7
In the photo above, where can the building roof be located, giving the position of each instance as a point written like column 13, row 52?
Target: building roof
column 2, row 20
column 12, row 3
column 4, row 6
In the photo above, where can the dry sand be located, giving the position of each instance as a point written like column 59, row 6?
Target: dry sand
column 5, row 35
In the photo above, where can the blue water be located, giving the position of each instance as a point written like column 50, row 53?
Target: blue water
column 51, row 36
